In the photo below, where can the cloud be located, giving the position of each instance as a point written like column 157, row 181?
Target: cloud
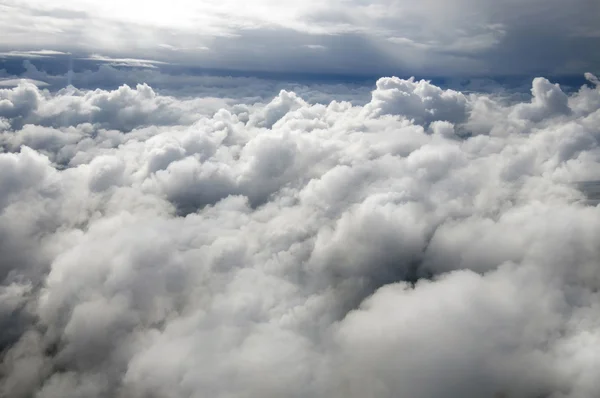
column 131, row 62
column 315, row 46
column 427, row 243
column 122, row 109
column 214, row 89
column 548, row 100
column 420, row 100
column 32, row 54
column 379, row 37
column 16, row 82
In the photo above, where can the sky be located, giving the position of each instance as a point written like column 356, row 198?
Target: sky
column 381, row 37
column 270, row 199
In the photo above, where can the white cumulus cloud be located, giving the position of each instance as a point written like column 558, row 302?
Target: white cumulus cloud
column 428, row 243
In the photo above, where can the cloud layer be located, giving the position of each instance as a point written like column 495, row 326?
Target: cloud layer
column 431, row 37
column 429, row 243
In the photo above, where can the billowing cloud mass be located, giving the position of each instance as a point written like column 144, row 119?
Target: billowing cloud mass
column 429, row 243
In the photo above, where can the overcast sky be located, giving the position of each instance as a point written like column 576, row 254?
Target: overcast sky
column 454, row 37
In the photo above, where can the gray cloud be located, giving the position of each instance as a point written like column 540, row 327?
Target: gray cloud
column 379, row 37
column 429, row 243
column 212, row 90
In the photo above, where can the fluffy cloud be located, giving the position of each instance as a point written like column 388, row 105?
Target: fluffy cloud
column 122, row 109
column 420, row 101
column 429, row 243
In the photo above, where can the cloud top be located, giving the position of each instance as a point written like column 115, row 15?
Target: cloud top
column 429, row 243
